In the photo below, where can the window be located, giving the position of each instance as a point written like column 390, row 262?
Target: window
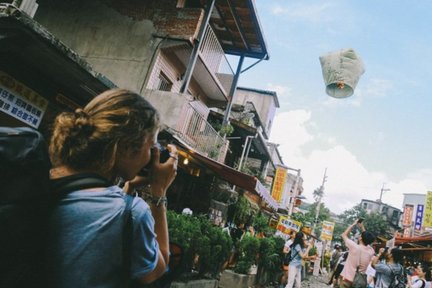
column 365, row 205
column 163, row 84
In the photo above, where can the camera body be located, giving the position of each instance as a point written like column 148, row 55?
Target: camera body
column 164, row 156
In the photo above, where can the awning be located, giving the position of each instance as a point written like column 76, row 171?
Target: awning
column 229, row 174
column 30, row 53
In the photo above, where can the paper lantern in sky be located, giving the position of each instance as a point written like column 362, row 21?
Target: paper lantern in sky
column 341, row 71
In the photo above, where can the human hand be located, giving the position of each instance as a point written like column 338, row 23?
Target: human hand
column 163, row 174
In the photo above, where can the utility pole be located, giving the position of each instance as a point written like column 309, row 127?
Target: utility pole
column 317, row 209
column 380, row 199
column 382, row 191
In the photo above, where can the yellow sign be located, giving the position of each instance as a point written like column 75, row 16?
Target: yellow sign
column 279, row 183
column 327, row 230
column 286, row 225
column 427, row 218
column 21, row 102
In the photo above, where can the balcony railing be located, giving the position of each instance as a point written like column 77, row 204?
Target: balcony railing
column 214, row 58
column 200, row 135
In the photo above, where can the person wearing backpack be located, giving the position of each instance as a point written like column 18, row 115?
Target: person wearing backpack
column 299, row 251
column 423, row 278
column 389, row 272
column 113, row 136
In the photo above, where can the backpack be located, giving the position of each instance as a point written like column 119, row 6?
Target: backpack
column 27, row 197
column 289, row 257
column 399, row 280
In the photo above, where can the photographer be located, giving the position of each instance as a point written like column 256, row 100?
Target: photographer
column 387, row 265
column 359, row 255
column 112, row 136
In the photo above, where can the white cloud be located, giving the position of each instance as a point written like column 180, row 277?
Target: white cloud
column 348, row 180
column 320, row 12
column 283, row 93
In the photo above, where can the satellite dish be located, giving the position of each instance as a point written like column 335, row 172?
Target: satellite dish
column 341, row 71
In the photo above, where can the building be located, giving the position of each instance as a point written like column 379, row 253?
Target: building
column 172, row 52
column 391, row 214
column 412, row 220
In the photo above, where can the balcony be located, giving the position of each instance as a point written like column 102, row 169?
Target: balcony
column 212, row 71
column 190, row 126
column 195, row 131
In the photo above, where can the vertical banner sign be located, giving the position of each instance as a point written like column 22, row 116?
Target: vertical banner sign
column 286, row 225
column 279, row 183
column 407, row 215
column 419, row 217
column 20, row 102
column 327, row 230
column 427, row 214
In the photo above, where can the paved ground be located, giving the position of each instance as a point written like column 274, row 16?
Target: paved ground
column 313, row 282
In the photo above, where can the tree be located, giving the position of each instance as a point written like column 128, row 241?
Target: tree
column 373, row 222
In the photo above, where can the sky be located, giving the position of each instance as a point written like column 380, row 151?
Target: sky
column 380, row 136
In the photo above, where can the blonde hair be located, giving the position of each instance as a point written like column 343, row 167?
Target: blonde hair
column 113, row 122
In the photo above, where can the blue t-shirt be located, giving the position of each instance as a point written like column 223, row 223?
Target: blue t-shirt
column 86, row 241
column 296, row 257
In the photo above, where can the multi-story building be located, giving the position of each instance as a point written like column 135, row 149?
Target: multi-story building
column 414, row 206
column 391, row 214
column 172, row 52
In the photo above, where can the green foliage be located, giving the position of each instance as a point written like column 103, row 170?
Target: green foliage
column 261, row 224
column 373, row 222
column 243, row 210
column 226, row 130
column 270, row 257
column 198, row 237
column 248, row 249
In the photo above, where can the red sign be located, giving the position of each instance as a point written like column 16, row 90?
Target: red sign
column 408, row 215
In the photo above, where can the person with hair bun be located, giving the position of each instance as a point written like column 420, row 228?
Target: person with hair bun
column 112, row 137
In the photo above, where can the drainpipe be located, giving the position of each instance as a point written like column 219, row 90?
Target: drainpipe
column 197, row 46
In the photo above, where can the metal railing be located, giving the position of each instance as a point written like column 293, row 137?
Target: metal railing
column 214, row 58
column 200, row 135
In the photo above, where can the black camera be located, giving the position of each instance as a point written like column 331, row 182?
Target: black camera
column 164, row 156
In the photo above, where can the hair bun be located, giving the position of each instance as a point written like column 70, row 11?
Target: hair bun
column 83, row 122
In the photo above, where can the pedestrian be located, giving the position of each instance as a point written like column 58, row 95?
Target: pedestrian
column 112, row 137
column 360, row 254
column 299, row 251
column 387, row 265
column 285, row 264
column 423, row 273
column 334, row 259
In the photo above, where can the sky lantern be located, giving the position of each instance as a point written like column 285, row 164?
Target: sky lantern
column 341, row 71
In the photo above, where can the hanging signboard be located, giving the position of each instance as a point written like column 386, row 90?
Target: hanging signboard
column 419, row 217
column 407, row 215
column 327, row 230
column 279, row 183
column 427, row 214
column 285, row 225
column 21, row 102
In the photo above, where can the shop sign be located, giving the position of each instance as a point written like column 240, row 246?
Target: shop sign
column 427, row 220
column 279, row 183
column 419, row 217
column 20, row 102
column 327, row 230
column 218, row 212
column 286, row 225
column 407, row 215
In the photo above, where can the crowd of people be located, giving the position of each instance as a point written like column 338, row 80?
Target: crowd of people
column 356, row 263
column 386, row 268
